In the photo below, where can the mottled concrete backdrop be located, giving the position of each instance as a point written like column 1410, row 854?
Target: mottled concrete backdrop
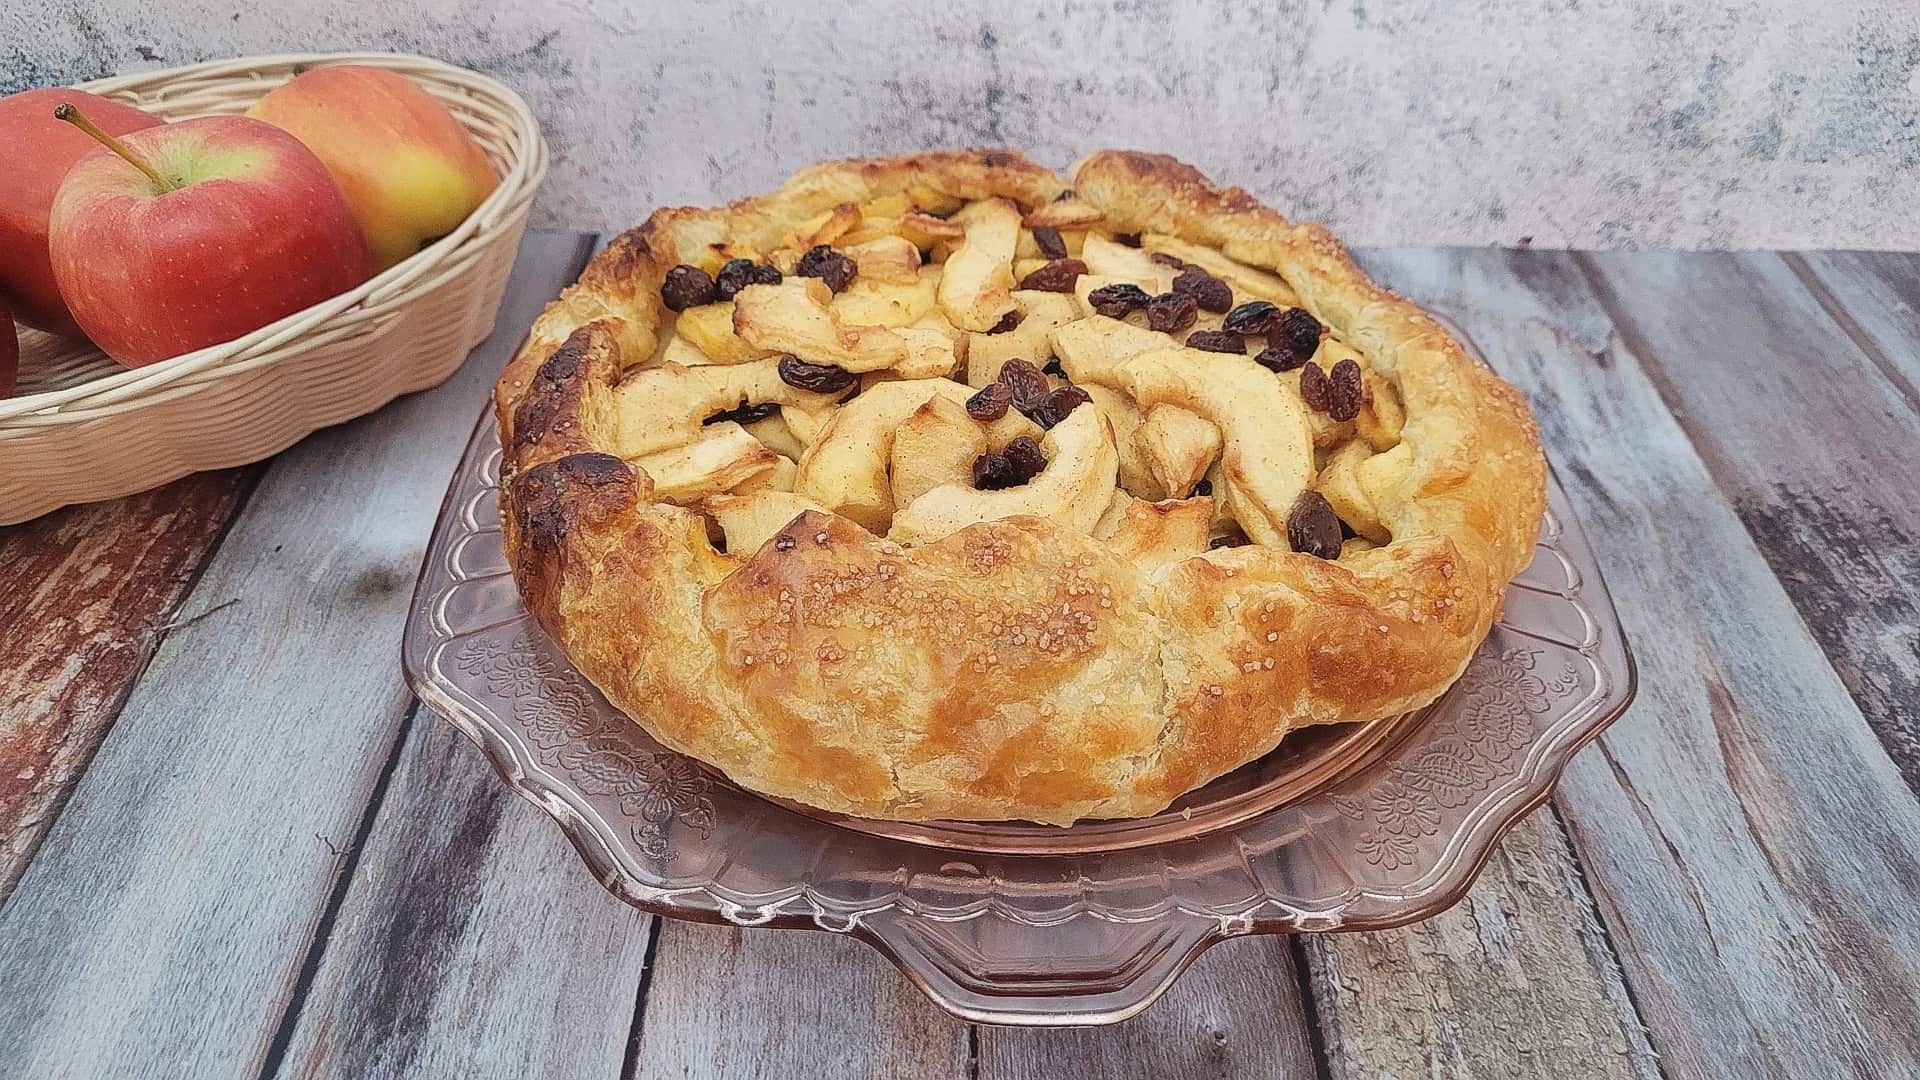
column 1611, row 123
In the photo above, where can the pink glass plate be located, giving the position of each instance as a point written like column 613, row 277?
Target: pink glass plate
column 1348, row 828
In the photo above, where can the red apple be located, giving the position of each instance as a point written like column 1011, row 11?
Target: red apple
column 40, row 149
column 9, row 351
column 196, row 233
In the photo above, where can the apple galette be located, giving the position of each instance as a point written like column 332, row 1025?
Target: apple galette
column 943, row 487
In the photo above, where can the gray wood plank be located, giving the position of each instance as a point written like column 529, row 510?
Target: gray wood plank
column 1518, row 980
column 1235, row 1013
column 732, row 1002
column 1875, row 296
column 1813, row 442
column 1752, row 849
column 472, row 941
column 97, row 590
column 160, row 930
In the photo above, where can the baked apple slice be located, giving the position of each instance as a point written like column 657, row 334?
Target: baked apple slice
column 1267, row 447
column 796, row 316
column 1041, row 314
column 976, row 287
column 1073, row 490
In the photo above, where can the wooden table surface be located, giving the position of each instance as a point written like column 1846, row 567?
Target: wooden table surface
column 233, row 845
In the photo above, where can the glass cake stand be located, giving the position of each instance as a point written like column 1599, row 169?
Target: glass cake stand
column 1351, row 827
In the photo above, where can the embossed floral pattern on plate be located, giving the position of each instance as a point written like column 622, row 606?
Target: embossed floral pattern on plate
column 1354, row 828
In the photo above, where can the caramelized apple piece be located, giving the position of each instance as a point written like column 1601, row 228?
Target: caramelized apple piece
column 935, row 445
column 722, row 458
column 1073, row 490
column 1042, row 312
column 796, row 317
column 976, row 287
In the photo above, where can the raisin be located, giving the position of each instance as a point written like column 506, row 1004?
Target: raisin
column 1298, row 330
column 1165, row 259
column 1274, row 358
column 1055, row 407
column 1204, row 487
column 1131, row 239
column 687, row 286
column 1315, row 388
column 991, row 472
column 990, row 403
column 1312, row 526
column 817, row 378
column 1117, row 300
column 822, row 262
column 1252, row 317
column 740, row 273
column 1007, row 322
column 1049, row 242
column 1023, row 456
column 1057, row 276
column 733, row 277
column 1025, row 383
column 1215, row 296
column 1212, row 294
column 744, row 414
column 1348, row 390
column 1172, row 312
column 1217, row 341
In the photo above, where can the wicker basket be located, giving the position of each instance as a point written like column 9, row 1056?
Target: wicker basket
column 81, row 428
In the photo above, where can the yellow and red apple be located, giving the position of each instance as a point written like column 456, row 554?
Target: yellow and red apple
column 411, row 172
column 40, row 150
column 198, row 232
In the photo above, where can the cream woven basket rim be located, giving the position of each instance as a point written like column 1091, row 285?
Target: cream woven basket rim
column 229, row 86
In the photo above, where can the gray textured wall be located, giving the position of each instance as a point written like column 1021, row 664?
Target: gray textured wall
column 1610, row 123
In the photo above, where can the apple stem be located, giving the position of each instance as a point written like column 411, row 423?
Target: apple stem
column 78, row 119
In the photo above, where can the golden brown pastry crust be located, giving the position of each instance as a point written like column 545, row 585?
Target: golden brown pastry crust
column 1015, row 669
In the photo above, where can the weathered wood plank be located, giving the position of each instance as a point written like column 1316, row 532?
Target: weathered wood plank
column 161, row 928
column 1752, row 849
column 1813, row 442
column 472, row 942
column 1236, row 1013
column 1518, row 980
column 728, row 1002
column 89, row 593
column 1875, row 297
